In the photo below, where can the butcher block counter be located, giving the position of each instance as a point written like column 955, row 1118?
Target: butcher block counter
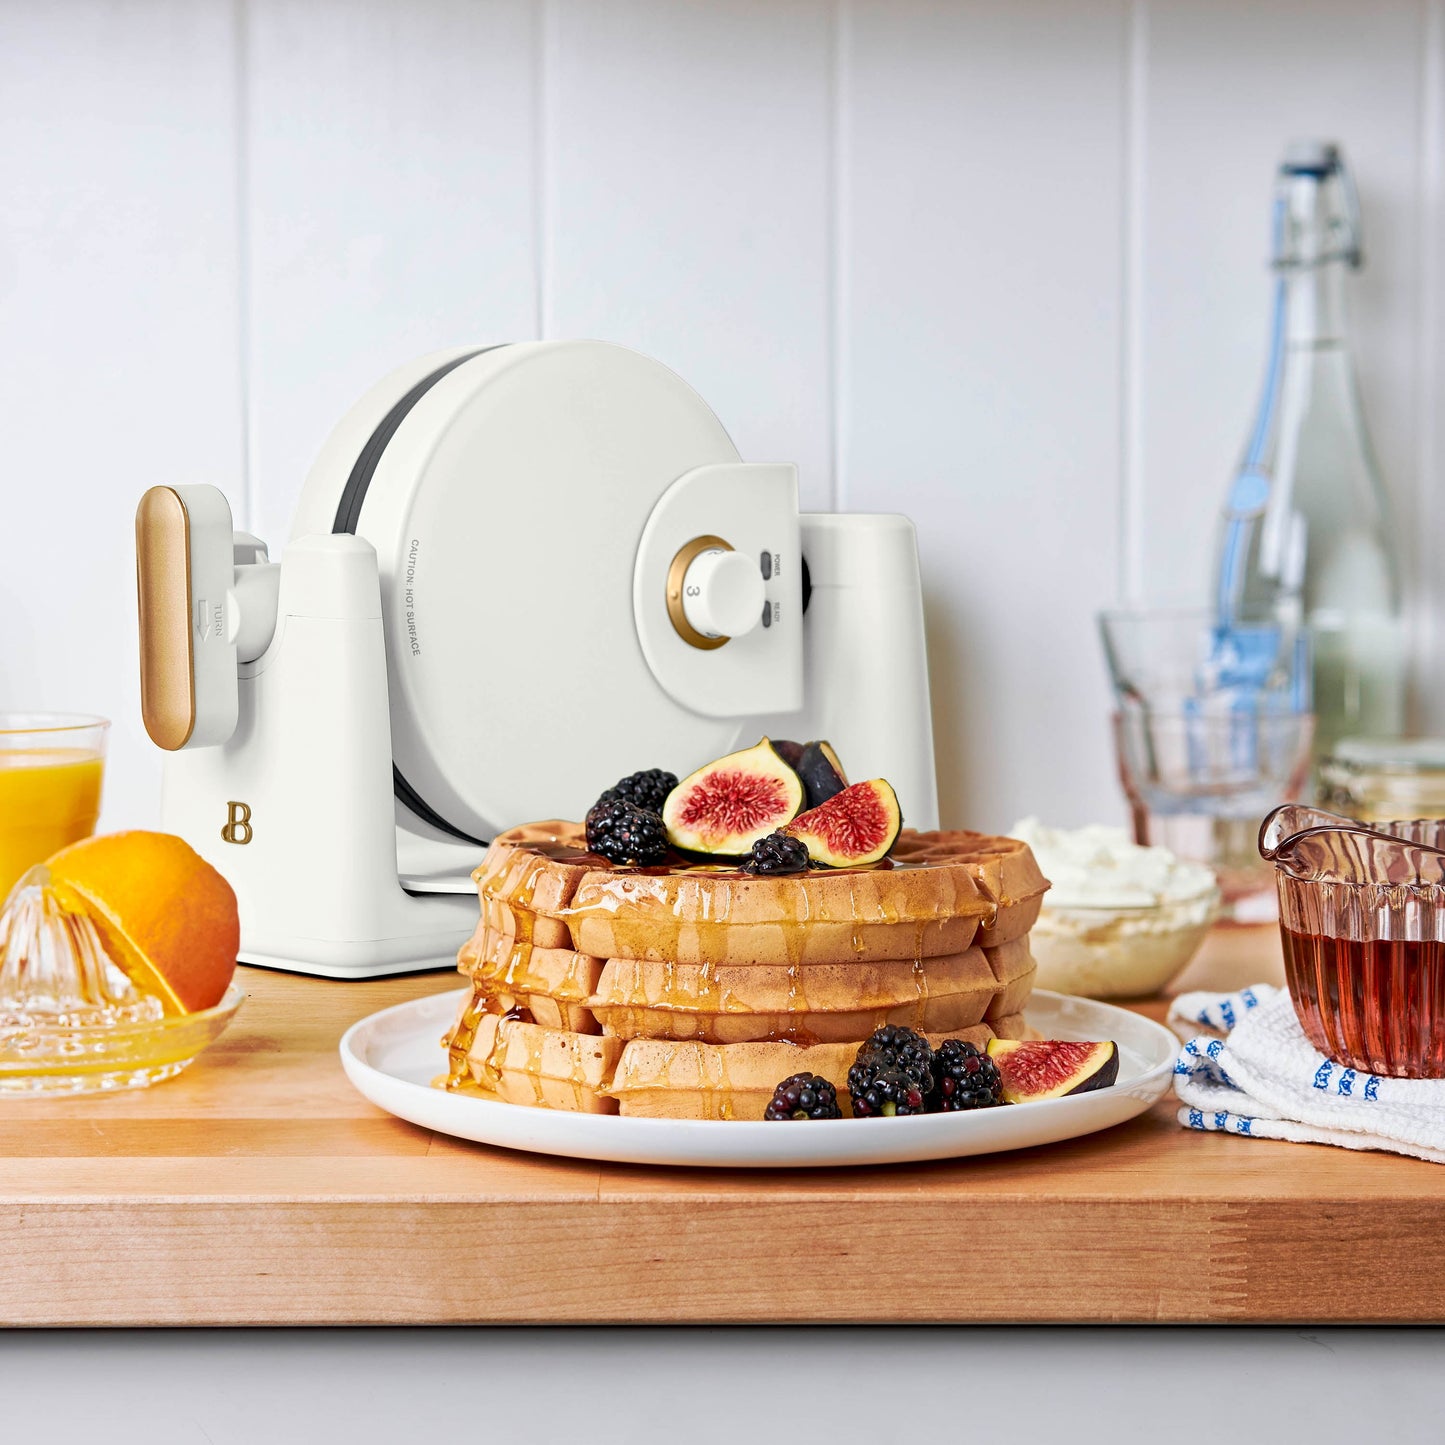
column 260, row 1188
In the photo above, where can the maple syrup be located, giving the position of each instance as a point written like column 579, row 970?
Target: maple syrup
column 1362, row 921
column 1375, row 1005
column 459, row 1041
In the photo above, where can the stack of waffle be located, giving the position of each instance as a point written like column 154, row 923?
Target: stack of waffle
column 690, row 991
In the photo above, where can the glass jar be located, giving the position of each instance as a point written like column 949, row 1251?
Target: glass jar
column 1375, row 780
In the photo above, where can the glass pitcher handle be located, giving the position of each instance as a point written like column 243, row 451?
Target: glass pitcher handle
column 1287, row 821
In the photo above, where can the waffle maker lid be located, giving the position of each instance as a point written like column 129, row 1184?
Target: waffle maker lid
column 505, row 490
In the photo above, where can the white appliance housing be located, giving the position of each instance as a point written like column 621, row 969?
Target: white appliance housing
column 516, row 574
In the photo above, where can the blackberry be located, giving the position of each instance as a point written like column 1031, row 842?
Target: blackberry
column 648, row 789
column 877, row 1090
column 778, row 853
column 964, row 1078
column 804, row 1096
column 624, row 833
column 901, row 1049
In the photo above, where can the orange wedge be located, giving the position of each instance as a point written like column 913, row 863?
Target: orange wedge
column 163, row 913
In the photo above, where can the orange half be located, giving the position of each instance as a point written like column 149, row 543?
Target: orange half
column 165, row 916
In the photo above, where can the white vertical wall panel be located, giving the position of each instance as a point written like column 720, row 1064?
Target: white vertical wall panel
column 118, row 347
column 390, row 161
column 1228, row 84
column 997, row 264
column 980, row 327
column 1427, row 523
column 687, row 172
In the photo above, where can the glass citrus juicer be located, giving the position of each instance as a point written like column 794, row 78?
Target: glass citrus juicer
column 113, row 966
column 1362, row 920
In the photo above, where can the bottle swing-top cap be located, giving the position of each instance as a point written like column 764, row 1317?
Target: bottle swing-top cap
column 1323, row 162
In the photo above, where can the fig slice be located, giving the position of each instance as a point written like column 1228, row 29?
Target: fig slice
column 727, row 806
column 821, row 772
column 853, row 828
column 1050, row 1068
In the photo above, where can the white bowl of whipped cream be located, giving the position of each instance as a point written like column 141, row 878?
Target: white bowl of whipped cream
column 1120, row 920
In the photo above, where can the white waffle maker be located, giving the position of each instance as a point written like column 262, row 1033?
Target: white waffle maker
column 516, row 574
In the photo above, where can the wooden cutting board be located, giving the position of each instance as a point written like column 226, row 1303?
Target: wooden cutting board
column 260, row 1188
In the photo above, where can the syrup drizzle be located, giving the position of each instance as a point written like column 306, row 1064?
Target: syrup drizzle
column 511, row 901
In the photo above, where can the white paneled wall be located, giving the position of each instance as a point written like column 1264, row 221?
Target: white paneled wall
column 687, row 204
column 389, row 169
column 996, row 263
column 981, row 326
column 120, row 356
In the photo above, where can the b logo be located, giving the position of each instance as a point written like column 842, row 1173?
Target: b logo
column 238, row 823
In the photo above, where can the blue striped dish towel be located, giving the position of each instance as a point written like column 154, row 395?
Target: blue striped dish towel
column 1247, row 1068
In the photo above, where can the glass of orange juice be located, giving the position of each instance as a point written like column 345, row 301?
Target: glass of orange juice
column 50, row 771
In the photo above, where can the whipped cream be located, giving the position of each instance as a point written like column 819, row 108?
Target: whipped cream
column 1120, row 920
column 1099, row 867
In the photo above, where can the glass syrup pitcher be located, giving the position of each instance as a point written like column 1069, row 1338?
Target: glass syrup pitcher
column 1362, row 921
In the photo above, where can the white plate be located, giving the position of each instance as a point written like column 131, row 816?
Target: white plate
column 393, row 1055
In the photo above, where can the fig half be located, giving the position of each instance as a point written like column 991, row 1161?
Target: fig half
column 727, row 806
column 1050, row 1068
column 821, row 772
column 790, row 752
column 853, row 828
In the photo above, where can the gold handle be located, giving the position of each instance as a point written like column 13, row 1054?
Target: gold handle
column 163, row 584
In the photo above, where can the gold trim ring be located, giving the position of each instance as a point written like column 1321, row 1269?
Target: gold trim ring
column 676, row 574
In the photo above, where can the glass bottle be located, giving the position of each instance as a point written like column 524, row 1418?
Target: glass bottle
column 1306, row 534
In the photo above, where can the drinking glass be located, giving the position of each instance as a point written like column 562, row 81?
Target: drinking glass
column 50, row 776
column 1199, row 783
column 1213, row 729
column 1170, row 656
